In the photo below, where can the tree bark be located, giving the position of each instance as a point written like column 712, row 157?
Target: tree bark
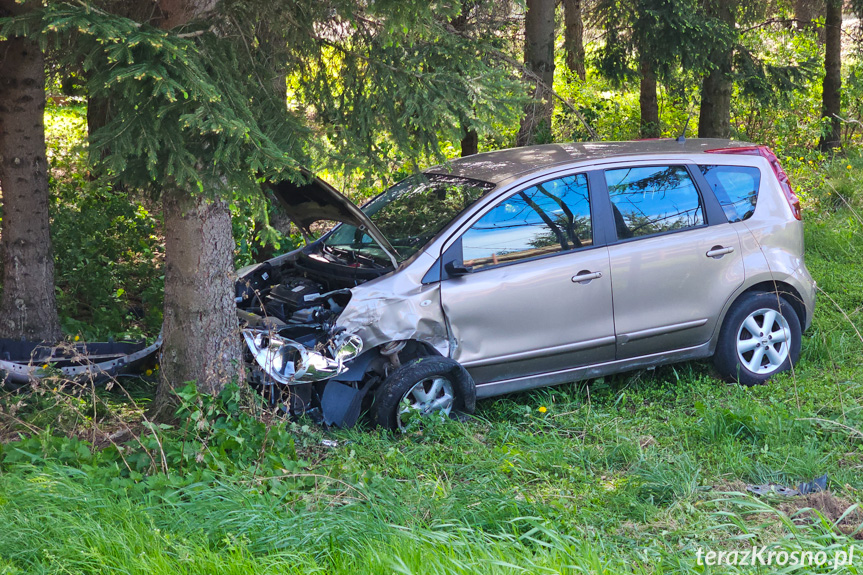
column 539, row 60
column 573, row 36
column 831, row 102
column 648, row 101
column 201, row 337
column 201, row 341
column 28, row 308
column 176, row 13
column 470, row 143
column 714, row 119
column 98, row 110
column 805, row 12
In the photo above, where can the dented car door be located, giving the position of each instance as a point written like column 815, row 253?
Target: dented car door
column 526, row 289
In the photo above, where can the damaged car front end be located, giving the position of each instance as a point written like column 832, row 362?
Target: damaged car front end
column 326, row 324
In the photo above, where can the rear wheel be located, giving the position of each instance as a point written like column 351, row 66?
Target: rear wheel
column 760, row 337
column 426, row 386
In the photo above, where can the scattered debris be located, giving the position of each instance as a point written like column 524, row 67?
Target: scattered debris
column 816, row 485
column 331, row 443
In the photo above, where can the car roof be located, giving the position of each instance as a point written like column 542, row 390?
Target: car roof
column 501, row 165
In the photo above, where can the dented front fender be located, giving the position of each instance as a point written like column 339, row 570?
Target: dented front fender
column 398, row 307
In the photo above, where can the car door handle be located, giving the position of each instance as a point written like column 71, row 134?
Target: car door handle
column 719, row 251
column 585, row 276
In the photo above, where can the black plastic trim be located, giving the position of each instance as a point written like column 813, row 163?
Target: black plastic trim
column 434, row 273
column 713, row 211
column 600, row 206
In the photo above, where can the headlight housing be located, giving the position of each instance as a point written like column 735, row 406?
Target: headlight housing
column 290, row 362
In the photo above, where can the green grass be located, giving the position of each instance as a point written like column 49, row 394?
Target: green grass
column 627, row 474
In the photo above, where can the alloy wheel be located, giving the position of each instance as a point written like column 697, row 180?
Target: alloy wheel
column 431, row 395
column 763, row 341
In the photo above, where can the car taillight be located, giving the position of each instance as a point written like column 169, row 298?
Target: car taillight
column 767, row 153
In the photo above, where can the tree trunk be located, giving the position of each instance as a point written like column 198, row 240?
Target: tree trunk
column 714, row 120
column 831, row 103
column 201, row 338
column 470, row 143
column 201, row 341
column 573, row 36
column 175, row 13
column 539, row 60
column 28, row 308
column 648, row 102
column 805, row 12
column 97, row 116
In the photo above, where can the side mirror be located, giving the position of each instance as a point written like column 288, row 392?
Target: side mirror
column 457, row 268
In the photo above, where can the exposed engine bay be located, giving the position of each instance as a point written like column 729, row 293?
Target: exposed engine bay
column 306, row 288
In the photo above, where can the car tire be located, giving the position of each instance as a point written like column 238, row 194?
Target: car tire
column 428, row 385
column 749, row 351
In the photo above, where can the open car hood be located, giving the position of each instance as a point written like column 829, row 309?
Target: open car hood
column 316, row 200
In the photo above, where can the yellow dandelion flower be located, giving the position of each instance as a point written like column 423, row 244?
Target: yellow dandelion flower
column 542, row 409
column 77, row 337
column 848, row 166
column 148, row 373
column 45, row 366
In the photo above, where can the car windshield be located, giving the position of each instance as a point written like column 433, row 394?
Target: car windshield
column 410, row 214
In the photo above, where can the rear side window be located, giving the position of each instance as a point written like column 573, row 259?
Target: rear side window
column 652, row 200
column 544, row 219
column 736, row 188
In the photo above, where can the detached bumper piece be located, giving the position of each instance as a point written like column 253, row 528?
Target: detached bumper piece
column 24, row 362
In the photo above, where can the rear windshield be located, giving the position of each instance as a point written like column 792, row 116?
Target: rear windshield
column 736, row 188
column 410, row 214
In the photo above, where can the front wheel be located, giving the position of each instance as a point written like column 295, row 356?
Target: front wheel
column 423, row 387
column 759, row 338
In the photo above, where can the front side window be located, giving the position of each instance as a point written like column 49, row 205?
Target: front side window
column 544, row 219
column 652, row 200
column 736, row 188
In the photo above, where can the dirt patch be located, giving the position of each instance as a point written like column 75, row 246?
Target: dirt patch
column 646, row 441
column 826, row 503
column 829, row 506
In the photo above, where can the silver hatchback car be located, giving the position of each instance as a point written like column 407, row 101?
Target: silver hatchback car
column 530, row 267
